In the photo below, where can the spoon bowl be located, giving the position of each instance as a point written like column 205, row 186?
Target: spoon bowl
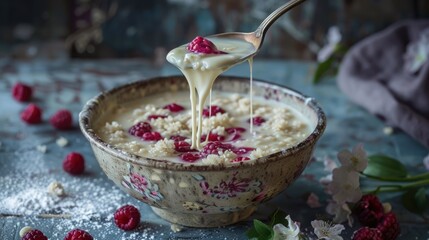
column 256, row 38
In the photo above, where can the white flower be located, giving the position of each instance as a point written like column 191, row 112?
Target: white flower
column 342, row 212
column 333, row 37
column 286, row 233
column 345, row 186
column 329, row 164
column 356, row 160
column 324, row 230
column 326, row 179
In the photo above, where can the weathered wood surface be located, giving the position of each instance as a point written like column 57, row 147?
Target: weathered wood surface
column 70, row 84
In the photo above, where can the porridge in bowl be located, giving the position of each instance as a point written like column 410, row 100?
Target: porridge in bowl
column 210, row 191
column 160, row 127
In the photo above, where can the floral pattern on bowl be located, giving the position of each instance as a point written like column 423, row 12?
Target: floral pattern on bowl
column 229, row 188
column 142, row 184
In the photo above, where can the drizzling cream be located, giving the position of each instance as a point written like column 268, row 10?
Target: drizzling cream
column 201, row 70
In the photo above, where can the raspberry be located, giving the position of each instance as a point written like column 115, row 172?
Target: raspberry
column 74, row 163
column 389, row 226
column 216, row 148
column 234, row 133
column 150, row 117
column 213, row 137
column 203, row 45
column 139, row 129
column 214, row 111
column 32, row 114
column 62, row 119
column 241, row 159
column 152, row 136
column 22, row 92
column 182, row 146
column 173, row 107
column 369, row 210
column 366, row 233
column 34, row 235
column 190, row 157
column 257, row 121
column 127, row 217
column 242, row 150
column 177, row 138
column 233, row 130
column 78, row 234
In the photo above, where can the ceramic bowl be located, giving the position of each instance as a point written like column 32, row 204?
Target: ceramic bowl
column 196, row 195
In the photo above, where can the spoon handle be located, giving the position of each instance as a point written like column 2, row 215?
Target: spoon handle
column 262, row 29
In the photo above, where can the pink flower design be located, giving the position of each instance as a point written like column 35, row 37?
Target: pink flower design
column 141, row 184
column 229, row 188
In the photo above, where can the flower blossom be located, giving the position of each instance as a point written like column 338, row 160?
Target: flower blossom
column 324, row 230
column 291, row 232
column 345, row 186
column 356, row 160
column 334, row 38
column 341, row 212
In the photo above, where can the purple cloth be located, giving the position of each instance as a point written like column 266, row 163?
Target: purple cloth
column 373, row 75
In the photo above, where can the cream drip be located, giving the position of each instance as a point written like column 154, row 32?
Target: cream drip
column 201, row 70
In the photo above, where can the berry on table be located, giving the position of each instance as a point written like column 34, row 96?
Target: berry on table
column 22, row 92
column 74, row 163
column 34, row 234
column 78, row 234
column 127, row 217
column 389, row 226
column 369, row 210
column 366, row 233
column 32, row 114
column 62, row 119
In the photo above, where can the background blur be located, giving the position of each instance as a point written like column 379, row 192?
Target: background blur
column 148, row 29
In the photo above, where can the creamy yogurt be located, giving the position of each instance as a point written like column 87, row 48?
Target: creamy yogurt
column 279, row 127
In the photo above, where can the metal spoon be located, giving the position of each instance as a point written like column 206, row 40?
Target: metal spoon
column 256, row 38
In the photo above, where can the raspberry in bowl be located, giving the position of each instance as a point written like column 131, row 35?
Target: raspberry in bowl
column 239, row 164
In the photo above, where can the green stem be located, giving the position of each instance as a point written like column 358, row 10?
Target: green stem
column 398, row 188
column 422, row 176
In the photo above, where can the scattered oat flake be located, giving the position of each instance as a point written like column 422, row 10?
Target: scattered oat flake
column 56, row 188
column 62, row 142
column 24, row 230
column 41, row 148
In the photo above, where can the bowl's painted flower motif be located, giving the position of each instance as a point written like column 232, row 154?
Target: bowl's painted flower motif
column 142, row 184
column 229, row 188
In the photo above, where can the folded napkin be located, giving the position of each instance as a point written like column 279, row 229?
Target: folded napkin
column 388, row 74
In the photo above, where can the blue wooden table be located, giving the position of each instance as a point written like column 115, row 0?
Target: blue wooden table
column 26, row 170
